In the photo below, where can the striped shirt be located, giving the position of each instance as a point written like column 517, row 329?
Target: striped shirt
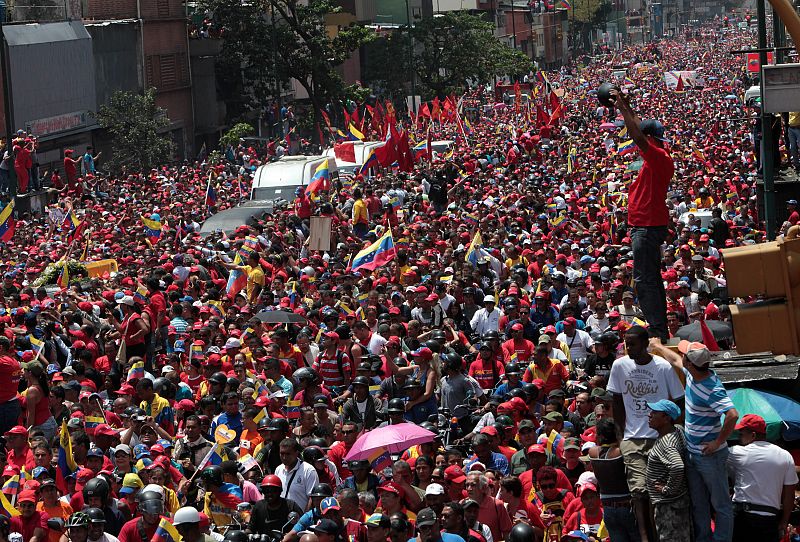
column 706, row 400
column 665, row 465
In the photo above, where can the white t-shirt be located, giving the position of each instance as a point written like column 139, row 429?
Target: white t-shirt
column 760, row 470
column 578, row 344
column 639, row 385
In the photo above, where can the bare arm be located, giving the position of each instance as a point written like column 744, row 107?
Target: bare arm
column 619, row 414
column 632, row 120
column 787, row 504
column 727, row 428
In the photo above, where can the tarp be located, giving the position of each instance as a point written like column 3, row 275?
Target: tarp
column 690, row 79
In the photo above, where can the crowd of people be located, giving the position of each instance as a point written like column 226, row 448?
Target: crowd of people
column 212, row 387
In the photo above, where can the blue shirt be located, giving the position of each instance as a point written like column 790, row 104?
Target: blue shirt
column 498, row 462
column 445, row 537
column 705, row 400
column 306, row 520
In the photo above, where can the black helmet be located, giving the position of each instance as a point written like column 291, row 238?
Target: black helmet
column 513, row 368
column 438, row 335
column 359, row 464
column 452, row 361
column 218, row 378
column 360, row 381
column 307, row 374
column 430, row 427
column 609, row 339
column 312, row 454
column 490, row 336
column 151, row 502
column 160, row 384
column 213, row 475
column 96, row 487
column 232, row 383
column 321, row 490
column 95, row 515
column 319, row 442
column 530, row 390
column 521, row 532
column 78, row 519
column 435, row 346
column 412, row 383
column 236, row 536
column 517, row 392
column 396, row 405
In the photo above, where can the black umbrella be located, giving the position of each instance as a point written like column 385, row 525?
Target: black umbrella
column 692, row 332
column 280, row 317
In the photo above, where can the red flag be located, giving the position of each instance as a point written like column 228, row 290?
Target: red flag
column 708, row 337
column 391, row 115
column 424, row 110
column 346, row 117
column 430, row 146
column 327, row 119
column 436, row 110
column 387, row 154
column 345, row 151
column 406, row 157
column 554, row 102
column 555, row 115
column 541, row 116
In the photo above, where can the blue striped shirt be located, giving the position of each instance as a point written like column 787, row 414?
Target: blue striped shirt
column 706, row 401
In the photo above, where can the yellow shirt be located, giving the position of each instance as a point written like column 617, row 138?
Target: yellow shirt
column 360, row 214
column 255, row 277
column 794, row 119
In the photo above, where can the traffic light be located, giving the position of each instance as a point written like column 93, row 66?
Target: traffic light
column 771, row 272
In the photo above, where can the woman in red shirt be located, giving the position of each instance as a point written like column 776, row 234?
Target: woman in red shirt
column 132, row 328
column 36, row 400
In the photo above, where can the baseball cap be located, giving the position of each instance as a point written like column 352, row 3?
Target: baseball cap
column 328, row 503
column 572, row 535
column 131, row 483
column 654, row 129
column 697, row 353
column 572, row 444
column 553, row 416
column 535, row 449
column 17, row 430
column 434, row 489
column 426, row 517
column 326, row 526
column 390, row 487
column 378, row 520
column 752, row 422
column 667, row 407
column 454, row 474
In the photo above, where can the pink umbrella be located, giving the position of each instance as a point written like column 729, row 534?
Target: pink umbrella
column 391, row 438
column 608, row 126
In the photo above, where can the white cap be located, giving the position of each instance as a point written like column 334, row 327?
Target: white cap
column 489, row 299
column 167, row 369
column 434, row 489
column 125, row 300
column 153, row 487
column 233, row 342
column 586, row 477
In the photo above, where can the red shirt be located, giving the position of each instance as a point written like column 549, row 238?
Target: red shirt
column 10, row 372
column 27, row 526
column 336, row 455
column 70, row 170
column 483, row 373
column 647, row 194
column 523, row 347
column 130, row 531
column 25, row 459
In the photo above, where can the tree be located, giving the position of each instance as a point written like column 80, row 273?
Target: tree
column 134, row 122
column 585, row 16
column 273, row 41
column 448, row 51
column 232, row 136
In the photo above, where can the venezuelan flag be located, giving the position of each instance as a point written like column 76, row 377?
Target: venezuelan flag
column 72, row 222
column 557, row 221
column 211, row 195
column 421, row 150
column 293, row 409
column 136, row 371
column 152, row 229
column 626, row 147
column 320, row 180
column 377, row 254
column 370, row 162
column 248, row 333
column 475, row 250
column 166, row 532
column 699, row 154
column 11, row 486
column 380, row 459
column 572, row 157
column 354, row 134
column 63, row 275
column 623, row 133
column 7, row 222
column 93, row 421
column 260, row 416
column 565, row 4
column 140, row 294
column 66, row 461
column 196, row 351
column 37, row 344
column 237, row 280
column 7, row 509
column 229, row 495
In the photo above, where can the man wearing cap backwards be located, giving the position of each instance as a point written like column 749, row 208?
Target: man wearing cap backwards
column 666, row 474
column 378, row 526
column 764, row 482
column 706, row 443
column 429, row 529
column 635, row 380
column 647, row 213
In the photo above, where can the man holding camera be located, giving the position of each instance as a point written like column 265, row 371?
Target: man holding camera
column 647, row 213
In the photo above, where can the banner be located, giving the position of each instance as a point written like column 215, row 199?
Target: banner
column 690, row 78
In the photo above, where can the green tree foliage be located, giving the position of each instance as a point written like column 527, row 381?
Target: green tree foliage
column 237, row 132
column 585, row 16
column 259, row 52
column 449, row 50
column 134, row 122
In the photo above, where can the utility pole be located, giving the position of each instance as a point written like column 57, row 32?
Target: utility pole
column 767, row 140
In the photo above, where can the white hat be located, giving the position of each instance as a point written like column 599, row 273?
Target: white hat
column 434, row 489
column 167, row 369
column 153, row 487
column 489, row 299
column 125, row 300
column 233, row 342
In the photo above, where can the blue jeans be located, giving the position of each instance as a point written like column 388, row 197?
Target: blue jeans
column 646, row 242
column 707, row 476
column 621, row 524
column 794, row 138
column 9, row 415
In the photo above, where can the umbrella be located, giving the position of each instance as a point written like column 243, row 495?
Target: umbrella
column 781, row 413
column 731, row 97
column 692, row 332
column 634, row 166
column 280, row 317
column 608, row 126
column 500, row 106
column 389, row 439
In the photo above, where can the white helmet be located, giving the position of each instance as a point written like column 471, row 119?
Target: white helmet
column 187, row 514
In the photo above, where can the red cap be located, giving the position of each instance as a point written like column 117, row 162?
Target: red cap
column 516, row 327
column 391, row 487
column 489, row 430
column 752, row 422
column 570, row 321
column 588, row 486
column 454, row 474
column 17, row 430
column 332, row 335
column 536, row 449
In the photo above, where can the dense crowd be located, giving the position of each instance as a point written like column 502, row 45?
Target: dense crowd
column 220, row 386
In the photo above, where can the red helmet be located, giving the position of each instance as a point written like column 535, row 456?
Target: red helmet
column 271, row 480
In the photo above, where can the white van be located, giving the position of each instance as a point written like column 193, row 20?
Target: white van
column 280, row 179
